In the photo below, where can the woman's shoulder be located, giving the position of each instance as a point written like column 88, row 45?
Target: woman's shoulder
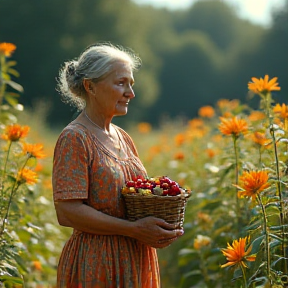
column 74, row 129
column 74, row 132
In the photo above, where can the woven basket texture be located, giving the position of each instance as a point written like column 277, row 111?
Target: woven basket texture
column 169, row 208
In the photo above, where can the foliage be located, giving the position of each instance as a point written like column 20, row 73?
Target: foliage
column 225, row 155
column 27, row 222
column 182, row 50
column 234, row 158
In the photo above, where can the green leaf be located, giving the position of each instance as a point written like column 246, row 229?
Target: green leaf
column 13, row 72
column 192, row 273
column 274, row 243
column 257, row 243
column 13, row 94
column 186, row 251
column 11, row 63
column 277, row 260
column 11, row 100
column 275, row 228
column 212, row 204
column 11, row 178
column 261, row 280
column 21, row 263
column 278, row 238
column 10, row 279
column 254, row 226
column 10, row 269
column 14, row 85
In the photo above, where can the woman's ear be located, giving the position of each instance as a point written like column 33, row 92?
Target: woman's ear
column 89, row 86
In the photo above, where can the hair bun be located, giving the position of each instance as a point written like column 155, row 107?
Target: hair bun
column 71, row 69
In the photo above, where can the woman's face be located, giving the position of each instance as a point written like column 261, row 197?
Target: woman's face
column 114, row 92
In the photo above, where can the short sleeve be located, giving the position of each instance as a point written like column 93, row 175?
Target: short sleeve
column 70, row 176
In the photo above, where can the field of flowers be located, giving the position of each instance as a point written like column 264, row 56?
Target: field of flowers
column 233, row 158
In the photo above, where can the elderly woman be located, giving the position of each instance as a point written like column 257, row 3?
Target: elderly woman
column 92, row 160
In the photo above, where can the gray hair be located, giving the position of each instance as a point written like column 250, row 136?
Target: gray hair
column 94, row 62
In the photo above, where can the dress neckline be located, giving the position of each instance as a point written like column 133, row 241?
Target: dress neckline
column 104, row 148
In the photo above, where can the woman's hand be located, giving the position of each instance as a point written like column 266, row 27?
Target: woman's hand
column 156, row 232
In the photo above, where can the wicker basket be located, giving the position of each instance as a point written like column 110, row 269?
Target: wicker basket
column 169, row 208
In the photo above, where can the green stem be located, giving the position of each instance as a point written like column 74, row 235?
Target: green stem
column 236, row 181
column 6, row 161
column 279, row 194
column 244, row 276
column 265, row 231
column 268, row 99
column 204, row 270
column 3, row 176
column 13, row 191
column 2, row 85
column 276, row 160
column 260, row 156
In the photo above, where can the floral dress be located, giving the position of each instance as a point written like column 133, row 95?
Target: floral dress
column 85, row 169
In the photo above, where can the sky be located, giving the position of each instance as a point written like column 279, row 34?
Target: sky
column 257, row 11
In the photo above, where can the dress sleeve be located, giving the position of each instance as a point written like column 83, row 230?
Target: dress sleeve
column 70, row 175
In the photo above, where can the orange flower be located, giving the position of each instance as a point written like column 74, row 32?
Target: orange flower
column 204, row 219
column 7, row 49
column 281, row 111
column 263, row 85
column 144, row 127
column 154, row 151
column 33, row 150
column 233, row 126
column 39, row 167
column 37, row 265
column 14, row 132
column 236, row 254
column 206, row 111
column 179, row 139
column 196, row 123
column 179, row 156
column 201, row 241
column 225, row 104
column 252, row 183
column 47, row 183
column 256, row 116
column 27, row 176
column 227, row 114
column 217, row 138
column 210, row 152
column 259, row 138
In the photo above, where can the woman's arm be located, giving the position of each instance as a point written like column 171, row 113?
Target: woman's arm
column 151, row 231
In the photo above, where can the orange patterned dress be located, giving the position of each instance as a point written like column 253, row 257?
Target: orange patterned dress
column 84, row 169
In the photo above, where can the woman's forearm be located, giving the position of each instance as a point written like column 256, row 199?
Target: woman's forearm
column 84, row 218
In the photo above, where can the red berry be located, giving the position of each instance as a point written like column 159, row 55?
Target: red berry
column 147, row 185
column 130, row 184
column 175, row 188
column 165, row 192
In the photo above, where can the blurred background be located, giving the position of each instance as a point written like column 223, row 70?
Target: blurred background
column 194, row 52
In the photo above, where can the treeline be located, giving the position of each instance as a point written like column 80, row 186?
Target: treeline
column 190, row 57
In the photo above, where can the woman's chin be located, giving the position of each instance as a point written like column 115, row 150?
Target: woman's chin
column 121, row 112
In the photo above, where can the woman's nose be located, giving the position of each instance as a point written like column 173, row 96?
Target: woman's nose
column 130, row 92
